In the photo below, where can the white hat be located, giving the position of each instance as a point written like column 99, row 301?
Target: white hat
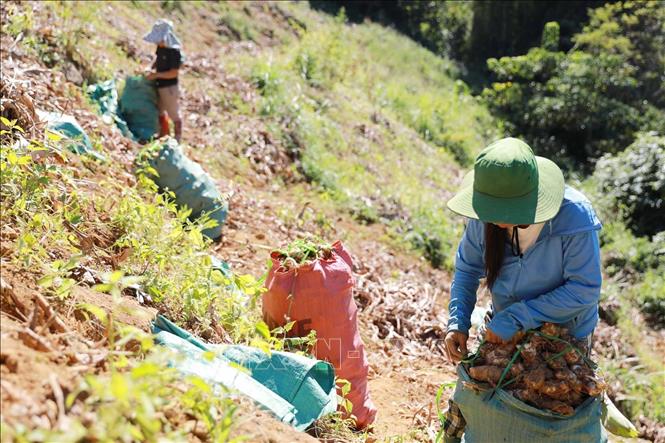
column 162, row 31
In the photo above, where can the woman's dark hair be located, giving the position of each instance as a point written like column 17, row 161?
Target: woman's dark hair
column 495, row 239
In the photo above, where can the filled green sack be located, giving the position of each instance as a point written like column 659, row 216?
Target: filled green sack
column 138, row 107
column 105, row 96
column 67, row 126
column 502, row 417
column 192, row 186
column 296, row 389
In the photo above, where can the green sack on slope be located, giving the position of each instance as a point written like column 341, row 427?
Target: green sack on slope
column 192, row 186
column 307, row 384
column 105, row 95
column 69, row 128
column 138, row 107
column 297, row 390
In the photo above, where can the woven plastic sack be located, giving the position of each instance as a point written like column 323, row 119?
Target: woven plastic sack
column 69, row 128
column 138, row 107
column 296, row 389
column 105, row 95
column 501, row 417
column 318, row 296
column 307, row 384
column 192, row 186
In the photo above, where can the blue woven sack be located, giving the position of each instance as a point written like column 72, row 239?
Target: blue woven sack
column 105, row 95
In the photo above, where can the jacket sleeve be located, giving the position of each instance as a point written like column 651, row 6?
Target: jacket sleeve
column 580, row 291
column 469, row 268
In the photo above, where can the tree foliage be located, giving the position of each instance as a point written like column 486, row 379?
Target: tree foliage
column 635, row 182
column 511, row 27
column 592, row 99
column 469, row 31
column 443, row 27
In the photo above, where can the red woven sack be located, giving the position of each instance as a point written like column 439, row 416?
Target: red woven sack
column 319, row 296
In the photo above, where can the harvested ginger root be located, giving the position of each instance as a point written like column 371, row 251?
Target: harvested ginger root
column 543, row 402
column 486, row 373
column 549, row 372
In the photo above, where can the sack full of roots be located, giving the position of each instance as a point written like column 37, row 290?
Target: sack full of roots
column 311, row 285
column 539, row 387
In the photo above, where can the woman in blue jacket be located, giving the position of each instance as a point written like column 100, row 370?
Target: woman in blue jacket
column 534, row 240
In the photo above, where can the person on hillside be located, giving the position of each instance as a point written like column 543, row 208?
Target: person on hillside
column 534, row 240
column 164, row 72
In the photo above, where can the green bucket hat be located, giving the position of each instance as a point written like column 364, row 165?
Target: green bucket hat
column 509, row 184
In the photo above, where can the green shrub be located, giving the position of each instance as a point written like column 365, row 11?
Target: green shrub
column 634, row 180
column 58, row 224
column 268, row 80
column 565, row 105
column 628, row 256
column 650, row 296
column 442, row 27
column 138, row 403
column 323, row 55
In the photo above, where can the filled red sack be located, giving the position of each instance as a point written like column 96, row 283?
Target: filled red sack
column 318, row 296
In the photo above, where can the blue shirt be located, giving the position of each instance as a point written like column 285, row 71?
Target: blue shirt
column 557, row 280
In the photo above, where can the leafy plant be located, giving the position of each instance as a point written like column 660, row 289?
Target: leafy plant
column 626, row 256
column 147, row 401
column 166, row 255
column 303, row 250
column 649, row 295
column 57, row 278
column 635, row 182
column 323, row 58
column 439, row 412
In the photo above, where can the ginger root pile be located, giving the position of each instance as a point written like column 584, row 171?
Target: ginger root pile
column 549, row 372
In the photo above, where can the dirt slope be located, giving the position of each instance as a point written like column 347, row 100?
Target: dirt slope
column 402, row 299
column 40, row 368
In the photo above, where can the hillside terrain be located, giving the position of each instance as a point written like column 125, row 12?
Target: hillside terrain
column 310, row 126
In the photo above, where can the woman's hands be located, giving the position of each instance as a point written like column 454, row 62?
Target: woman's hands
column 456, row 345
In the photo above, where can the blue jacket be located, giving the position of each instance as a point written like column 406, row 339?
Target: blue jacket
column 557, row 280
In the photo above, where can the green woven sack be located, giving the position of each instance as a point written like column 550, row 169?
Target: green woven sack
column 105, row 95
column 138, row 107
column 190, row 184
column 503, row 418
column 296, row 389
column 71, row 130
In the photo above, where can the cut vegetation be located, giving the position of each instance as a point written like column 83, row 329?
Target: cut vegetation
column 314, row 128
